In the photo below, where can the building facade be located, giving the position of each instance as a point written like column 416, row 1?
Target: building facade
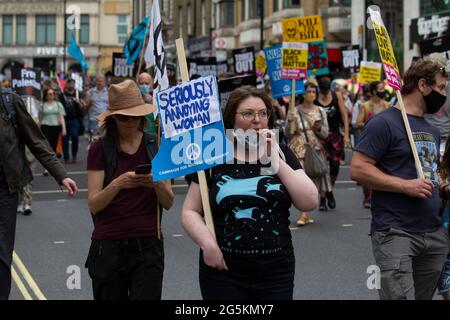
column 33, row 33
column 409, row 22
column 216, row 27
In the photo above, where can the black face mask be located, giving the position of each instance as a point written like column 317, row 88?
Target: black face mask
column 434, row 101
column 380, row 94
column 324, row 86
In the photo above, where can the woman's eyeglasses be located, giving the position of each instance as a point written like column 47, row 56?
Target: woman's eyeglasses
column 251, row 115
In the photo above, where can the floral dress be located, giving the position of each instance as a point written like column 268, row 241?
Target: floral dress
column 297, row 140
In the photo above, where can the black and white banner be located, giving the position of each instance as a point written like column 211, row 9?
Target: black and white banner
column 351, row 58
column 120, row 68
column 26, row 82
column 244, row 60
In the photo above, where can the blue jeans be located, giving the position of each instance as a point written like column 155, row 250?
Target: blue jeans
column 72, row 127
column 8, row 214
column 255, row 279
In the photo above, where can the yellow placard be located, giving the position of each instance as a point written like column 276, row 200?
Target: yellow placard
column 384, row 45
column 302, row 29
column 294, row 59
column 260, row 64
column 386, row 50
column 369, row 72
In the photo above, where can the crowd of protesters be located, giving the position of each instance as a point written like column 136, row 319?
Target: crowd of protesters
column 126, row 257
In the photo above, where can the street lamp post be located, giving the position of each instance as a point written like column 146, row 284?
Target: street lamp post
column 262, row 24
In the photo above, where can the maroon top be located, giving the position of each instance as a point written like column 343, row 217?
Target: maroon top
column 132, row 213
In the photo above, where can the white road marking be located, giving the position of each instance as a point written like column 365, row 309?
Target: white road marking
column 177, row 235
column 58, row 242
column 347, row 225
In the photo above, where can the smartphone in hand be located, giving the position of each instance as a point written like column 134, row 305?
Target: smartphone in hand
column 143, row 169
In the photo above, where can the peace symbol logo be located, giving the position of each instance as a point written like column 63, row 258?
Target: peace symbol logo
column 193, row 151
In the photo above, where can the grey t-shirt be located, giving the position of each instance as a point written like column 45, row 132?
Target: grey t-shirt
column 100, row 102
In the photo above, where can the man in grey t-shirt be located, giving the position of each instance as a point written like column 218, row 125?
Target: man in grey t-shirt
column 96, row 102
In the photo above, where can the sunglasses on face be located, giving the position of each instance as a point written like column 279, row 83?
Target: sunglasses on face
column 124, row 118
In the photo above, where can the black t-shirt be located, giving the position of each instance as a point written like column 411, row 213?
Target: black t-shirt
column 385, row 141
column 250, row 210
column 333, row 113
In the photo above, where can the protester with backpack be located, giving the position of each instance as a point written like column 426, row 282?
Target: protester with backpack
column 17, row 130
column 126, row 257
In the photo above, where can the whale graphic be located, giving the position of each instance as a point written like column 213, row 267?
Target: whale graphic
column 273, row 187
column 244, row 213
column 238, row 187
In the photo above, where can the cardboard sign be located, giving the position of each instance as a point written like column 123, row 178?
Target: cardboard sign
column 280, row 87
column 294, row 61
column 369, row 72
column 191, row 105
column 351, row 58
column 261, row 65
column 318, row 58
column 304, row 29
column 26, row 82
column 200, row 143
column 227, row 86
column 78, row 81
column 244, row 60
column 386, row 51
column 120, row 68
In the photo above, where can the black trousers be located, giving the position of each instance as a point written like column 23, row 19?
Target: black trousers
column 52, row 135
column 8, row 214
column 249, row 279
column 128, row 269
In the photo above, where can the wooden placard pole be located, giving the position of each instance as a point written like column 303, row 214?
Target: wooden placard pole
column 408, row 132
column 292, row 105
column 201, row 174
column 158, row 206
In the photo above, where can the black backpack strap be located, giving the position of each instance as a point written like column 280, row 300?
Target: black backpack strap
column 109, row 158
column 151, row 145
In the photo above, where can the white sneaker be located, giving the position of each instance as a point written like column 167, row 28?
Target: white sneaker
column 27, row 210
column 20, row 208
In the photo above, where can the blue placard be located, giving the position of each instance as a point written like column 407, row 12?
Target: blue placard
column 205, row 145
column 280, row 87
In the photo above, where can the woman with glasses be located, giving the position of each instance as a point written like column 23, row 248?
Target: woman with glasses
column 316, row 126
column 253, row 256
column 126, row 257
column 51, row 118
